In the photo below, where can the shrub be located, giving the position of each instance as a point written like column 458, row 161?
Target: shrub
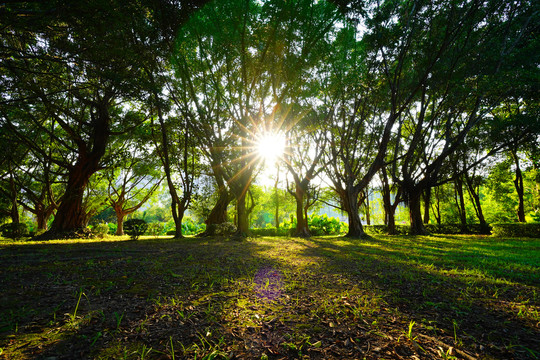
column 516, row 230
column 224, row 229
column 264, row 232
column 135, row 228
column 155, row 229
column 534, row 216
column 112, row 228
column 100, row 230
column 13, row 230
column 450, row 229
column 318, row 225
column 324, row 225
column 445, row 229
column 189, row 227
column 383, row 229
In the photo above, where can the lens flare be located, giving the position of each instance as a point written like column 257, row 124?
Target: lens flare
column 270, row 147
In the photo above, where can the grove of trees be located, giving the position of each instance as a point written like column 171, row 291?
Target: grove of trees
column 434, row 105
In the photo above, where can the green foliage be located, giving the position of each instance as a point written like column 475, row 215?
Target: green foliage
column 516, row 230
column 446, row 229
column 501, row 198
column 14, row 231
column 190, row 227
column 450, row 229
column 271, row 231
column 534, row 216
column 135, row 228
column 383, row 229
column 325, row 225
column 100, row 230
column 112, row 227
column 155, row 229
column 223, row 229
column 318, row 224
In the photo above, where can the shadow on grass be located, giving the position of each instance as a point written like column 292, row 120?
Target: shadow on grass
column 480, row 293
column 110, row 299
column 326, row 298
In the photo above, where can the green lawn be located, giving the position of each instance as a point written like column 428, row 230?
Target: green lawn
column 403, row 297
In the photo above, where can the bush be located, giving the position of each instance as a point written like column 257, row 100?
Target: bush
column 450, row 229
column 383, row 229
column 534, row 216
column 223, row 229
column 318, row 225
column 155, row 229
column 14, row 231
column 135, row 228
column 264, row 232
column 189, row 227
column 100, row 230
column 516, row 230
column 112, row 228
column 445, row 229
column 324, row 225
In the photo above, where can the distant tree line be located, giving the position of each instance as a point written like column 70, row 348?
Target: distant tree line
column 104, row 101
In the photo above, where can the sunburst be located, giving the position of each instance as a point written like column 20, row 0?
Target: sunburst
column 270, row 147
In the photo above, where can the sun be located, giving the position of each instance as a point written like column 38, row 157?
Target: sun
column 270, row 147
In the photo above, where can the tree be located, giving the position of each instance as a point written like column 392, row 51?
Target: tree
column 41, row 188
column 131, row 182
column 303, row 162
column 516, row 127
column 353, row 130
column 180, row 159
column 11, row 155
column 390, row 205
column 445, row 108
column 78, row 69
column 232, row 59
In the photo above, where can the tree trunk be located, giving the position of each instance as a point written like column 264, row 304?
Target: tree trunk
column 518, row 183
column 427, row 201
column 302, row 229
column 41, row 220
column 14, row 213
column 218, row 214
column 391, row 221
column 458, row 185
column 71, row 215
column 181, row 210
column 176, row 218
column 350, row 204
column 475, row 196
column 389, row 208
column 241, row 213
column 366, row 206
column 437, row 208
column 43, row 214
column 119, row 223
column 415, row 213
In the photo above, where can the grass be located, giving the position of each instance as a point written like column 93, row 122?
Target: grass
column 429, row 297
